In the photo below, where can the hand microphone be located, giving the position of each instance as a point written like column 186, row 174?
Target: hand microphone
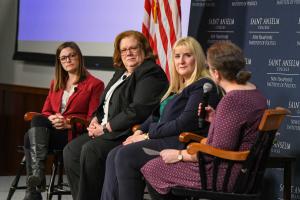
column 207, row 87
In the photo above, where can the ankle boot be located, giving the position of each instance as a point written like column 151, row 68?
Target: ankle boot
column 31, row 192
column 39, row 140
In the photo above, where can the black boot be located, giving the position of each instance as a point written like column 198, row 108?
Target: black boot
column 31, row 192
column 39, row 140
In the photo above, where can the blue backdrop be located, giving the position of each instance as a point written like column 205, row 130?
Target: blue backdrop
column 269, row 33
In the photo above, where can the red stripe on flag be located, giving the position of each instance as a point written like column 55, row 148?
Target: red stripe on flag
column 162, row 34
column 170, row 20
column 147, row 6
column 179, row 8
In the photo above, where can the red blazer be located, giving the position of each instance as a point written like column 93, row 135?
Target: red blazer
column 82, row 103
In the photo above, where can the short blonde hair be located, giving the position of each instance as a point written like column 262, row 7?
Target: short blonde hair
column 177, row 84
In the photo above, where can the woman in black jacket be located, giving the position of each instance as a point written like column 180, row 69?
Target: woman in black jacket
column 129, row 98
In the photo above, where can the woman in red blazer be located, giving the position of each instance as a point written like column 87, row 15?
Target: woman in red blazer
column 73, row 92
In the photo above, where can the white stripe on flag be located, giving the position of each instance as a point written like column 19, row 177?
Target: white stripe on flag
column 167, row 26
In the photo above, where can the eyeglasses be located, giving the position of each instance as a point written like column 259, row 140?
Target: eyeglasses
column 130, row 49
column 63, row 59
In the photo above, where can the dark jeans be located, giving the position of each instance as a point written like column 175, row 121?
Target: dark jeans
column 84, row 161
column 123, row 170
column 58, row 138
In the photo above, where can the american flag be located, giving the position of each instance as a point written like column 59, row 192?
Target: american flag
column 162, row 27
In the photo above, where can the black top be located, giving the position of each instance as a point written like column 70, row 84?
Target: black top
column 134, row 99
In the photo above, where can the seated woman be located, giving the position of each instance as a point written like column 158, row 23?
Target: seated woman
column 129, row 98
column 240, row 109
column 177, row 113
column 73, row 92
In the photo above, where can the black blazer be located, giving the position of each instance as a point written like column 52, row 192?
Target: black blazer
column 133, row 101
column 180, row 114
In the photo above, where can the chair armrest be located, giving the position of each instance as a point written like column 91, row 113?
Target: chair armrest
column 135, row 127
column 73, row 120
column 220, row 153
column 29, row 115
column 188, row 136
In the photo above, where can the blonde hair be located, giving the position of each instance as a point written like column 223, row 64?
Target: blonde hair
column 177, row 83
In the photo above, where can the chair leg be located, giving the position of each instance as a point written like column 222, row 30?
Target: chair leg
column 15, row 182
column 60, row 177
column 52, row 179
column 57, row 188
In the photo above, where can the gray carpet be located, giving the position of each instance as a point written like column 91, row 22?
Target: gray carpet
column 5, row 182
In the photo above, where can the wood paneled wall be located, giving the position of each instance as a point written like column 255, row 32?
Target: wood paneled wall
column 14, row 102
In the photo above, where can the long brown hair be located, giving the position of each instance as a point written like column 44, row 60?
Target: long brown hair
column 61, row 76
column 143, row 43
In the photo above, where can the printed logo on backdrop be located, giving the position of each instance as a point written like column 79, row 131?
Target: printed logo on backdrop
column 280, row 145
column 293, row 123
column 287, row 2
column 269, row 102
column 281, row 73
column 248, row 61
column 294, row 107
column 295, row 191
column 239, row 3
column 298, row 33
column 263, row 31
column 220, row 29
column 203, row 3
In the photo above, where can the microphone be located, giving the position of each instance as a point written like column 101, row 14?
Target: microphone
column 75, row 89
column 207, row 87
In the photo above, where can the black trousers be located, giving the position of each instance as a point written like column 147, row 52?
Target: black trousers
column 58, row 138
column 123, row 179
column 84, row 161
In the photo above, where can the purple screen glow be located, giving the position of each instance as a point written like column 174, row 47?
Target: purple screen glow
column 93, row 24
column 86, row 21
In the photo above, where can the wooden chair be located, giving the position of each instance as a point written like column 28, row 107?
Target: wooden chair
column 59, row 188
column 250, row 177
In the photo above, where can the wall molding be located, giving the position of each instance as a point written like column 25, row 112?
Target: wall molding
column 15, row 101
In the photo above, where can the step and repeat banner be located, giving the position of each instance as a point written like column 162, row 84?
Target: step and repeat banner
column 269, row 33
